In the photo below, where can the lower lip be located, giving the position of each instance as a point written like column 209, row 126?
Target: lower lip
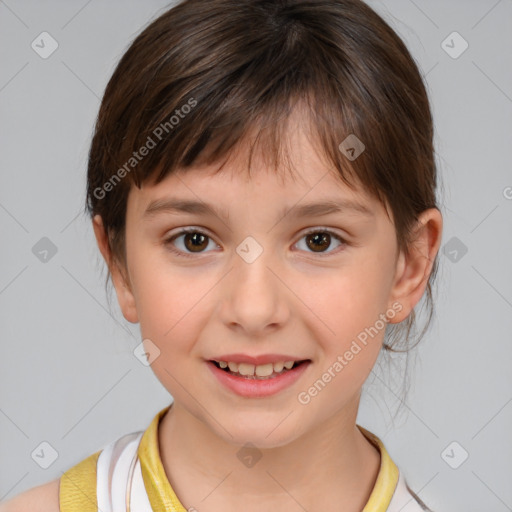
column 256, row 388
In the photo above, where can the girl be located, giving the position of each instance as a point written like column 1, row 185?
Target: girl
column 262, row 186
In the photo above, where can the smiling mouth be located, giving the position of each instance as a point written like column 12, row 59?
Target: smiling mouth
column 273, row 375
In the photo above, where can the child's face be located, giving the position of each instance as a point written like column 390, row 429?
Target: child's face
column 298, row 297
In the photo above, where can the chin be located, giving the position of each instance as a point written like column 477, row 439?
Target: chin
column 265, row 434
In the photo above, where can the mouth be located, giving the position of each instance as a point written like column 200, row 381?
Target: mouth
column 261, row 381
column 258, row 372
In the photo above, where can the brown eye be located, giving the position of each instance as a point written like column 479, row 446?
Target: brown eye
column 320, row 240
column 193, row 241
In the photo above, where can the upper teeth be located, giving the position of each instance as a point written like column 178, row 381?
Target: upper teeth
column 261, row 370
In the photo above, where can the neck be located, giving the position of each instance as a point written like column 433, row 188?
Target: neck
column 336, row 462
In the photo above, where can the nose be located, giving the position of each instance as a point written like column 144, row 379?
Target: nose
column 255, row 297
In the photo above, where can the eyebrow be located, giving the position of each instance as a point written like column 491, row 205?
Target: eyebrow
column 317, row 209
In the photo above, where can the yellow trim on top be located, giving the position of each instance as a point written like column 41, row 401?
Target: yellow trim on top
column 387, row 478
column 163, row 498
column 160, row 492
column 77, row 490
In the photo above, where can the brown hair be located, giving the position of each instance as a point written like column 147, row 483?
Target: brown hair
column 207, row 73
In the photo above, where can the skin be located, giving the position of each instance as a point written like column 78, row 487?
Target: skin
column 290, row 300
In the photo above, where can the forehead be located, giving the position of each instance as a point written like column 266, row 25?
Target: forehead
column 303, row 176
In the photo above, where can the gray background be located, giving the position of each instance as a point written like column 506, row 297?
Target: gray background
column 68, row 376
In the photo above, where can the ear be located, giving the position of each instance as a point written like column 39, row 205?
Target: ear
column 412, row 272
column 124, row 293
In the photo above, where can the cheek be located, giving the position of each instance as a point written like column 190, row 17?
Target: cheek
column 172, row 312
column 348, row 300
column 344, row 312
column 171, row 305
column 347, row 326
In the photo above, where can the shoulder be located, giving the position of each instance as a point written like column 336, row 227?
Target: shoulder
column 43, row 498
column 74, row 490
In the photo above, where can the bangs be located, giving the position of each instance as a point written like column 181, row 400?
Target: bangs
column 250, row 120
column 265, row 136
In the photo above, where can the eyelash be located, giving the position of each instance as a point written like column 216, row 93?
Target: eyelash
column 168, row 242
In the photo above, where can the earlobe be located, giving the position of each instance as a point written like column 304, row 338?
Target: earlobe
column 413, row 271
column 124, row 293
